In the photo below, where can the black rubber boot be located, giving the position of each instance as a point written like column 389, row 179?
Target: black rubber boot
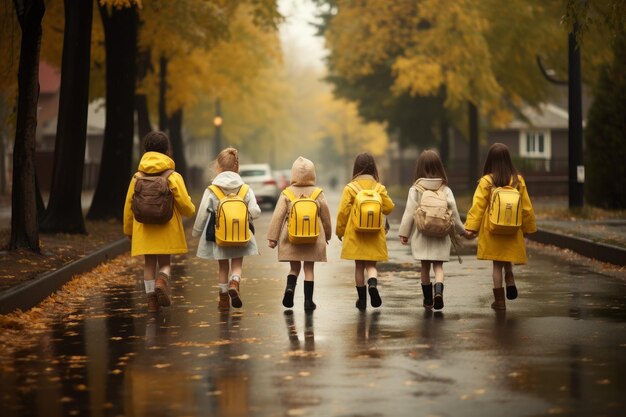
column 427, row 291
column 289, row 290
column 438, row 299
column 375, row 299
column 511, row 292
column 361, row 303
column 309, row 305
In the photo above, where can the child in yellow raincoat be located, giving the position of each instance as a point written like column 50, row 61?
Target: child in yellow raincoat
column 157, row 242
column 365, row 248
column 503, row 249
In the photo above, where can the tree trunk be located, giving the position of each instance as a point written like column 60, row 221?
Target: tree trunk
column 474, row 169
column 64, row 212
column 163, row 119
column 141, row 100
column 575, row 123
column 24, row 221
column 176, row 139
column 120, row 34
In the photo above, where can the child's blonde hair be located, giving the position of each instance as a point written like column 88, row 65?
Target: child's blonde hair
column 227, row 160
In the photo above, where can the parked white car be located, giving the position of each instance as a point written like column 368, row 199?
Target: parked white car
column 262, row 182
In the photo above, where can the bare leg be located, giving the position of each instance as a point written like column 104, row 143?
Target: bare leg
column 359, row 273
column 164, row 262
column 295, row 267
column 497, row 274
column 508, row 274
column 223, row 270
column 309, row 271
column 370, row 266
column 438, row 270
column 149, row 269
column 372, row 283
column 233, row 285
column 425, row 272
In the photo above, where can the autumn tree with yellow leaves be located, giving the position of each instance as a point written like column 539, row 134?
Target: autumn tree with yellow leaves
column 480, row 55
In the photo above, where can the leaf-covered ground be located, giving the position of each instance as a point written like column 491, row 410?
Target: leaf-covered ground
column 57, row 250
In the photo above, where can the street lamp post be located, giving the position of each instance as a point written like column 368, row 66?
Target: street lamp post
column 217, row 122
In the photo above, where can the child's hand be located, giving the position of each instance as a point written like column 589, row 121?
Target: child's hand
column 404, row 240
column 271, row 243
column 468, row 234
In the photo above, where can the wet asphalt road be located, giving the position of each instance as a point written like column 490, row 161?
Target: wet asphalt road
column 560, row 349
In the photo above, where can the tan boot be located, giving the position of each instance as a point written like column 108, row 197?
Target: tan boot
column 499, row 303
column 224, row 303
column 235, row 295
column 162, row 289
column 153, row 304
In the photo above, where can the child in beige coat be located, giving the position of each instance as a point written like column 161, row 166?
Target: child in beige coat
column 299, row 255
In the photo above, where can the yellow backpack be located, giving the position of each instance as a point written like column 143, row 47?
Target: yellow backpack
column 367, row 209
column 232, row 227
column 505, row 211
column 303, row 224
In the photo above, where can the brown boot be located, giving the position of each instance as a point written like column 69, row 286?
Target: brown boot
column 224, row 303
column 162, row 289
column 499, row 303
column 235, row 295
column 153, row 304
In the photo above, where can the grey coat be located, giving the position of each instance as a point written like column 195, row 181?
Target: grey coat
column 302, row 183
column 427, row 248
column 229, row 182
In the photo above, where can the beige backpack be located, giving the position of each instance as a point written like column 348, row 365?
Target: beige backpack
column 433, row 217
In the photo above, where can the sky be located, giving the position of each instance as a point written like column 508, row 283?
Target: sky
column 298, row 36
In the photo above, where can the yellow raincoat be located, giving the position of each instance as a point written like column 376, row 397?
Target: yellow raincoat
column 159, row 239
column 356, row 245
column 507, row 248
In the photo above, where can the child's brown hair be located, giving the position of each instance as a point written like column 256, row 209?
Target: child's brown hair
column 429, row 165
column 156, row 141
column 500, row 166
column 364, row 164
column 228, row 160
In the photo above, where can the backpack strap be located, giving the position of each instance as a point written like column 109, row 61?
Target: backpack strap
column 316, row 193
column 378, row 188
column 289, row 194
column 218, row 192
column 166, row 173
column 355, row 186
column 243, row 190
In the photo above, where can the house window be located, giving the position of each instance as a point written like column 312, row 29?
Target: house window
column 535, row 144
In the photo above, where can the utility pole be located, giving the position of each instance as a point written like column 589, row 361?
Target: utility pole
column 576, row 166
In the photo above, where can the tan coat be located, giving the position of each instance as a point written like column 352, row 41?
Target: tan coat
column 302, row 183
column 507, row 248
column 159, row 239
column 361, row 246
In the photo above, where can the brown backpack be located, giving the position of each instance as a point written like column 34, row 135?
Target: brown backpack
column 153, row 202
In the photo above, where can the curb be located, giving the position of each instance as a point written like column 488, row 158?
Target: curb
column 586, row 247
column 31, row 293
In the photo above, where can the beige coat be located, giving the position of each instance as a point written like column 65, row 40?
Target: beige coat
column 302, row 183
column 428, row 248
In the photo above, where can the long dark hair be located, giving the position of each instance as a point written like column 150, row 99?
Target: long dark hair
column 429, row 165
column 500, row 166
column 364, row 165
column 156, row 141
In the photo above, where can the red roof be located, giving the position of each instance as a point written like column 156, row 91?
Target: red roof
column 49, row 78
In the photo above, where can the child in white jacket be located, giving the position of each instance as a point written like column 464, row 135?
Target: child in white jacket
column 429, row 175
column 230, row 258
